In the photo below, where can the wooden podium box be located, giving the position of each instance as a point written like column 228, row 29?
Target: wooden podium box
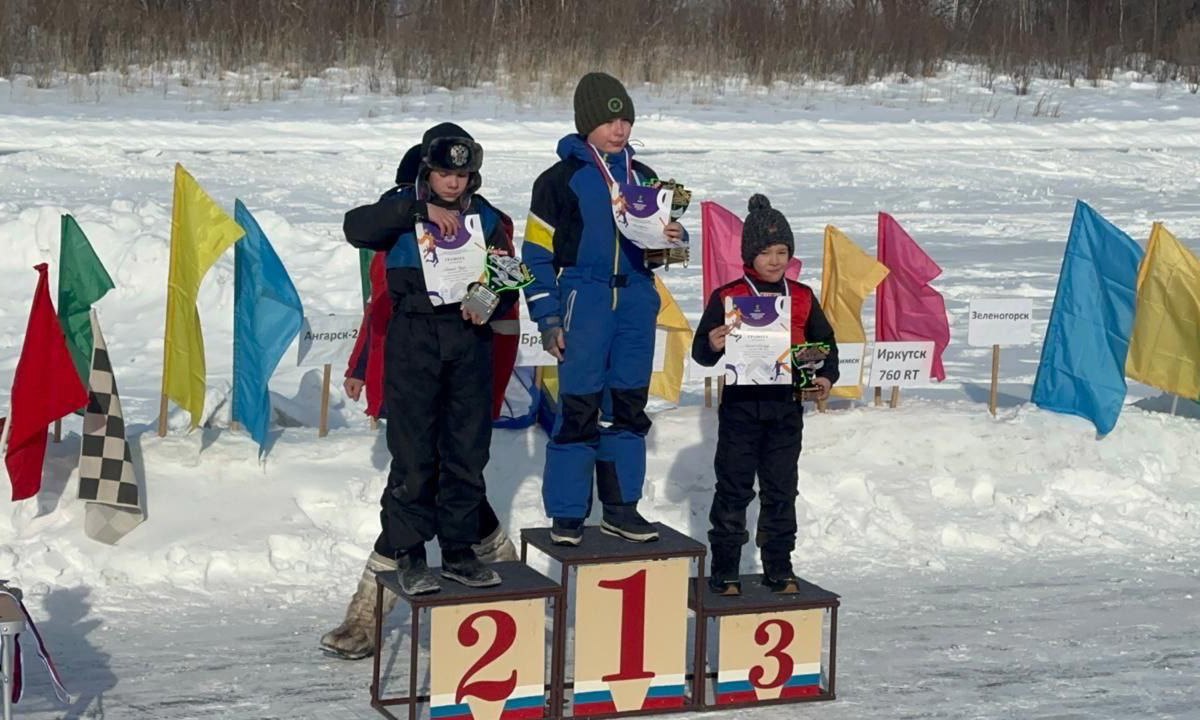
column 487, row 648
column 769, row 645
column 630, row 620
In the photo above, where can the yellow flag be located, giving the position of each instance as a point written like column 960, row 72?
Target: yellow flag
column 200, row 232
column 667, row 384
column 849, row 275
column 1164, row 351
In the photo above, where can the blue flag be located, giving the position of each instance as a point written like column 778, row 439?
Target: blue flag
column 1082, row 370
column 267, row 315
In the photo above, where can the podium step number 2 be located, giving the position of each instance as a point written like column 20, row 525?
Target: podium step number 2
column 488, row 662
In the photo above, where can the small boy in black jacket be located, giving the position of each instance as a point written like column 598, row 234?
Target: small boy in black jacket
column 760, row 426
column 438, row 382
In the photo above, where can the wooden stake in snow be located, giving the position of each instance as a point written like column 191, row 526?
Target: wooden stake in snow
column 324, row 429
column 992, row 396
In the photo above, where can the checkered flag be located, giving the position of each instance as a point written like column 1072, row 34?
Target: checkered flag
column 106, row 478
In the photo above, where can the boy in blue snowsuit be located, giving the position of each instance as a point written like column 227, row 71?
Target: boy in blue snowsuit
column 594, row 300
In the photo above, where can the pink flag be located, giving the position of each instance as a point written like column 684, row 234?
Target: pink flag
column 906, row 307
column 721, row 235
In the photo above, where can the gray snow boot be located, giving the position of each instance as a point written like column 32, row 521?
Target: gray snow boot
column 497, row 547
column 354, row 639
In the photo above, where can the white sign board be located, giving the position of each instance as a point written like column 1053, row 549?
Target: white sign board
column 1000, row 321
column 850, row 364
column 529, row 351
column 531, row 354
column 696, row 371
column 327, row 340
column 660, row 349
column 901, row 364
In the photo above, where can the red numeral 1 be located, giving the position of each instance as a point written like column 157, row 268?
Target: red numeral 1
column 506, row 635
column 633, row 627
column 761, row 637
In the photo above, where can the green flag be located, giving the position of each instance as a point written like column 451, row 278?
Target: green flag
column 364, row 271
column 82, row 280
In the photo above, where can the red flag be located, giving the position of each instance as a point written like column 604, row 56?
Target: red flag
column 906, row 307
column 721, row 235
column 45, row 387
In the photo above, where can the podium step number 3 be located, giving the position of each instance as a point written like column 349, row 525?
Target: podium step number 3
column 769, row 657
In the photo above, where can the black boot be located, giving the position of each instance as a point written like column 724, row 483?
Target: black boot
column 566, row 531
column 625, row 522
column 723, row 577
column 415, row 576
column 463, row 566
column 778, row 576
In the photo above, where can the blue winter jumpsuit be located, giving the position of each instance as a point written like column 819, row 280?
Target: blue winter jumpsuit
column 594, row 283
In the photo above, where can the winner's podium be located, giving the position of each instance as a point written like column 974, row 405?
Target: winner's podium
column 487, row 647
column 630, row 605
column 769, row 645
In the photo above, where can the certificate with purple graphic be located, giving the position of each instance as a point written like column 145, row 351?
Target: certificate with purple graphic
column 758, row 351
column 642, row 213
column 451, row 264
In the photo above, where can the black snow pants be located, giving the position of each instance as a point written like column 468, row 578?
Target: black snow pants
column 763, row 438
column 439, row 429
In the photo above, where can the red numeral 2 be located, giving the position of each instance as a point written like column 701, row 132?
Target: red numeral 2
column 506, row 635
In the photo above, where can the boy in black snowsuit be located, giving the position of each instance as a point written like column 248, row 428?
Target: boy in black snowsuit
column 439, row 370
column 760, row 426
column 354, row 638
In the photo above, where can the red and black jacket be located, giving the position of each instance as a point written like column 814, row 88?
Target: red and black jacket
column 809, row 324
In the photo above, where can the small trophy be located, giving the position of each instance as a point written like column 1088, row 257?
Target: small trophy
column 807, row 358
column 680, row 199
column 501, row 273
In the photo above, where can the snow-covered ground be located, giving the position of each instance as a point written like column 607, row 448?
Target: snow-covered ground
column 989, row 567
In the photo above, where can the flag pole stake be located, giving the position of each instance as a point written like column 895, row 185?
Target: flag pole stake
column 720, row 388
column 58, row 430
column 995, row 379
column 324, row 430
column 162, row 415
column 1174, row 404
column 895, row 401
column 7, row 428
column 707, row 392
column 878, row 396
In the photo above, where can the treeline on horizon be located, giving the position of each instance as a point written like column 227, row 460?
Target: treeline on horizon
column 457, row 43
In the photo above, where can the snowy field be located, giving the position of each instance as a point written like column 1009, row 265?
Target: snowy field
column 990, row 567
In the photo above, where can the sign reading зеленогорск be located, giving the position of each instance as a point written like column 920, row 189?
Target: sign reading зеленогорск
column 327, row 340
column 1000, row 321
column 901, row 364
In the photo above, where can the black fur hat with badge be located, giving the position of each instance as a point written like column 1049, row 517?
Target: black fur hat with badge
column 449, row 148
